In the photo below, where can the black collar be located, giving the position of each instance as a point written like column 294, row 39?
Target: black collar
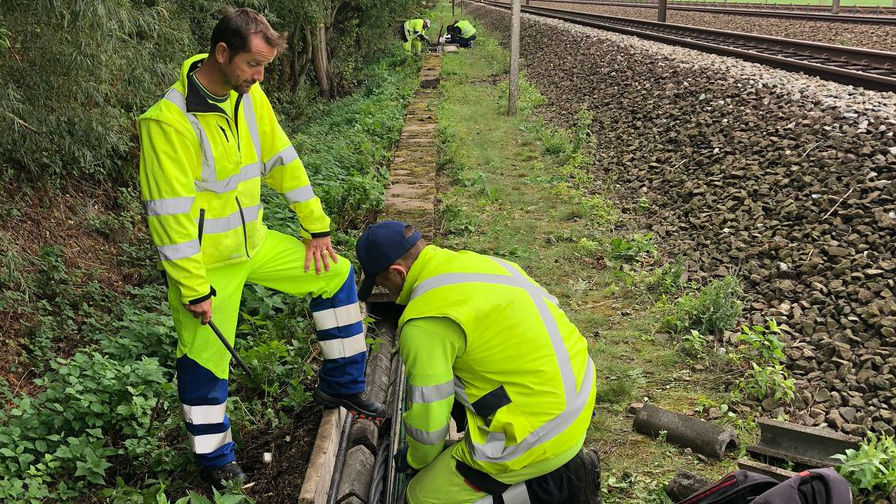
column 196, row 101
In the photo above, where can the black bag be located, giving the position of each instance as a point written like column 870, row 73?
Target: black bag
column 738, row 487
column 815, row 486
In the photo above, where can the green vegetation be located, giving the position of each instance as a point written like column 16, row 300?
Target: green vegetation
column 91, row 409
column 871, row 470
column 715, row 308
column 528, row 191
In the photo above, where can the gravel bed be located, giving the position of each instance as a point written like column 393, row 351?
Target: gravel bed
column 784, row 180
column 880, row 37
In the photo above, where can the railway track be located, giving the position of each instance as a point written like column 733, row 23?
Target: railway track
column 849, row 65
column 879, row 15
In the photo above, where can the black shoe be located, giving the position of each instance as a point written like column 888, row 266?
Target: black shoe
column 226, row 475
column 583, row 478
column 359, row 404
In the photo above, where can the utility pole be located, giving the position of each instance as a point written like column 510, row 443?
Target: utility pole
column 661, row 11
column 513, row 88
column 835, row 7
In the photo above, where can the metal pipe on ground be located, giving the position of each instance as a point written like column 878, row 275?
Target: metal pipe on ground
column 701, row 437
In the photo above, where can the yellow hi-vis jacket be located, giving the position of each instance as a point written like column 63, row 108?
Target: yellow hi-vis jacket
column 201, row 167
column 413, row 28
column 525, row 377
column 466, row 28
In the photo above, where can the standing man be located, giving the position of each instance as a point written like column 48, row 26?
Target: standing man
column 461, row 33
column 478, row 332
column 205, row 148
column 413, row 33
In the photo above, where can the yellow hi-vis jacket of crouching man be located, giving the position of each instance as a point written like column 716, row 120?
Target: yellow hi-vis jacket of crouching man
column 521, row 370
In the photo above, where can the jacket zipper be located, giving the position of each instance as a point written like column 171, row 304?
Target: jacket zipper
column 201, row 223
column 243, row 220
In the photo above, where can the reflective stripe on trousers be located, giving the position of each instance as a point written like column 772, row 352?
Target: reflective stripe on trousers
column 340, row 333
column 204, row 399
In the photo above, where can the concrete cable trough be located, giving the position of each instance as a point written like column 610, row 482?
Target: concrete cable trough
column 351, row 462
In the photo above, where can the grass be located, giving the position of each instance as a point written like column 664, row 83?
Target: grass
column 517, row 188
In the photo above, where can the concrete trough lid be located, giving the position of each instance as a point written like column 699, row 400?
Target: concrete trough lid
column 316, row 484
column 808, row 446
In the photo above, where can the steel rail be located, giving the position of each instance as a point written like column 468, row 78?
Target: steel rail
column 885, row 16
column 850, row 65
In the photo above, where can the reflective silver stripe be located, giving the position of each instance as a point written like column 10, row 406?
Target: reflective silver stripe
column 427, row 437
column 168, row 206
column 284, row 157
column 538, row 295
column 208, row 443
column 494, row 449
column 199, row 415
column 247, row 172
column 343, row 347
column 431, row 393
column 516, row 494
column 205, row 147
column 560, row 351
column 232, row 221
column 337, row 317
column 252, row 124
column 460, row 393
column 178, row 250
column 485, row 500
column 299, row 194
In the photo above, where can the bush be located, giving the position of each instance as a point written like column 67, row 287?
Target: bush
column 871, row 468
column 638, row 248
column 92, row 409
column 714, row 309
column 760, row 383
column 763, row 344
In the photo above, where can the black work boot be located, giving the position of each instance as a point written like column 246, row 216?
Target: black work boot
column 221, row 477
column 359, row 404
column 583, row 477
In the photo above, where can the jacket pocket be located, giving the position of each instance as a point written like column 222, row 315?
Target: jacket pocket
column 243, row 221
column 201, row 223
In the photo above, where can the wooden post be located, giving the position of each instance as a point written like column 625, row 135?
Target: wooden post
column 513, row 88
column 835, row 7
column 661, row 11
column 452, row 9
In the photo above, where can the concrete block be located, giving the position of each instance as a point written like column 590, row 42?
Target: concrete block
column 356, row 475
column 364, row 433
column 316, row 484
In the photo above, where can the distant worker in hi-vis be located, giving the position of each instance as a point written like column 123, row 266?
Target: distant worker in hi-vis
column 484, row 344
column 205, row 149
column 461, row 33
column 413, row 34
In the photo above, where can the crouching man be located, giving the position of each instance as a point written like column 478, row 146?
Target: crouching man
column 479, row 333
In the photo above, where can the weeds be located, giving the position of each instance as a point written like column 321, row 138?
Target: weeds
column 871, row 470
column 638, row 248
column 716, row 307
column 760, row 383
column 763, row 344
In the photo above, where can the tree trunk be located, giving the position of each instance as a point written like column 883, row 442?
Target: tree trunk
column 322, row 61
column 299, row 56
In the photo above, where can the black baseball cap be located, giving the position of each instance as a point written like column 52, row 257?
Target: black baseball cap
column 378, row 248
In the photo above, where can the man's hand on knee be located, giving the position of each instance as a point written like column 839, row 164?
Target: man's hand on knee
column 321, row 251
column 201, row 310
